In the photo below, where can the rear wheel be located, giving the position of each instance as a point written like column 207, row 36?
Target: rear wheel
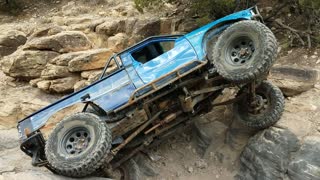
column 264, row 110
column 78, row 145
column 245, row 51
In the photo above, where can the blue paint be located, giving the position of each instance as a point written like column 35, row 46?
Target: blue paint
column 196, row 37
column 114, row 90
column 181, row 54
column 117, row 84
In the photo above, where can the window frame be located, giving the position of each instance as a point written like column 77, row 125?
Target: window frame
column 143, row 45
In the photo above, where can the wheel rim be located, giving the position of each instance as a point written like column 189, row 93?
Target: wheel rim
column 259, row 105
column 76, row 141
column 240, row 51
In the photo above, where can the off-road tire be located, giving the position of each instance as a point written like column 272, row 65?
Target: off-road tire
column 260, row 59
column 129, row 171
column 267, row 118
column 86, row 162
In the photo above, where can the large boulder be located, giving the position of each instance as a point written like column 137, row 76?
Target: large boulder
column 267, row 155
column 305, row 163
column 26, row 64
column 10, row 41
column 293, row 80
column 63, row 42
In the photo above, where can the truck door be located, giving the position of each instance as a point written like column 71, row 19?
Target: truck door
column 160, row 56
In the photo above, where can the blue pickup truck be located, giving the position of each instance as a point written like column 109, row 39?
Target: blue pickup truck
column 157, row 88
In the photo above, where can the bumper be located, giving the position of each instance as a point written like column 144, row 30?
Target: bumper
column 34, row 146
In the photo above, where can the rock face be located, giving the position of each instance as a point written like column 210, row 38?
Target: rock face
column 10, row 41
column 293, row 80
column 267, row 155
column 305, row 163
column 26, row 64
column 63, row 42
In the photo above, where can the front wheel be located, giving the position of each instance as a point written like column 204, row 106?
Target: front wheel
column 78, row 145
column 264, row 110
column 245, row 51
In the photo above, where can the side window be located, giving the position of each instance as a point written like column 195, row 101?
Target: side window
column 152, row 50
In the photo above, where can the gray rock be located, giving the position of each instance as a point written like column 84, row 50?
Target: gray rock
column 305, row 163
column 293, row 80
column 267, row 155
